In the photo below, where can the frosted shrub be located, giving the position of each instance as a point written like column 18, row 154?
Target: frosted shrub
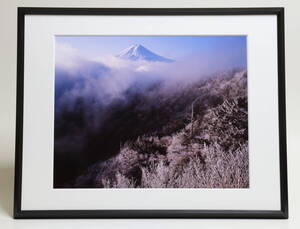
column 176, row 144
column 219, row 170
column 156, row 176
column 127, row 158
column 120, row 182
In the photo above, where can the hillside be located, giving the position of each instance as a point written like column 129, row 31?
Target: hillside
column 194, row 136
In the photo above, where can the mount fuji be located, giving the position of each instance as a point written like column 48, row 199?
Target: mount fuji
column 139, row 52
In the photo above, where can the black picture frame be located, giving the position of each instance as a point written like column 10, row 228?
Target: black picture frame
column 263, row 214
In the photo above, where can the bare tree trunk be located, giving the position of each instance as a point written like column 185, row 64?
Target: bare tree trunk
column 192, row 119
column 192, row 116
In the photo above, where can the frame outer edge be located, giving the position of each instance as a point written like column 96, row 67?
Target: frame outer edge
column 51, row 214
column 19, row 114
column 282, row 114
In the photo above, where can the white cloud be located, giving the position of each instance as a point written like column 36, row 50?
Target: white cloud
column 66, row 56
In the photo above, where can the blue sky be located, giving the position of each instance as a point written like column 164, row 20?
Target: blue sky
column 175, row 47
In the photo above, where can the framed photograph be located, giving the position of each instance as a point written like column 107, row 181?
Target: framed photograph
column 150, row 113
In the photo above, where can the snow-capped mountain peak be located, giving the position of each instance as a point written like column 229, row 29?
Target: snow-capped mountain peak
column 139, row 52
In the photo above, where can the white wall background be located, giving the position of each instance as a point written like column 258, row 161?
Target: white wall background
column 8, row 51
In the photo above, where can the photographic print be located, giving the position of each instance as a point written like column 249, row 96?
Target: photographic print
column 151, row 112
